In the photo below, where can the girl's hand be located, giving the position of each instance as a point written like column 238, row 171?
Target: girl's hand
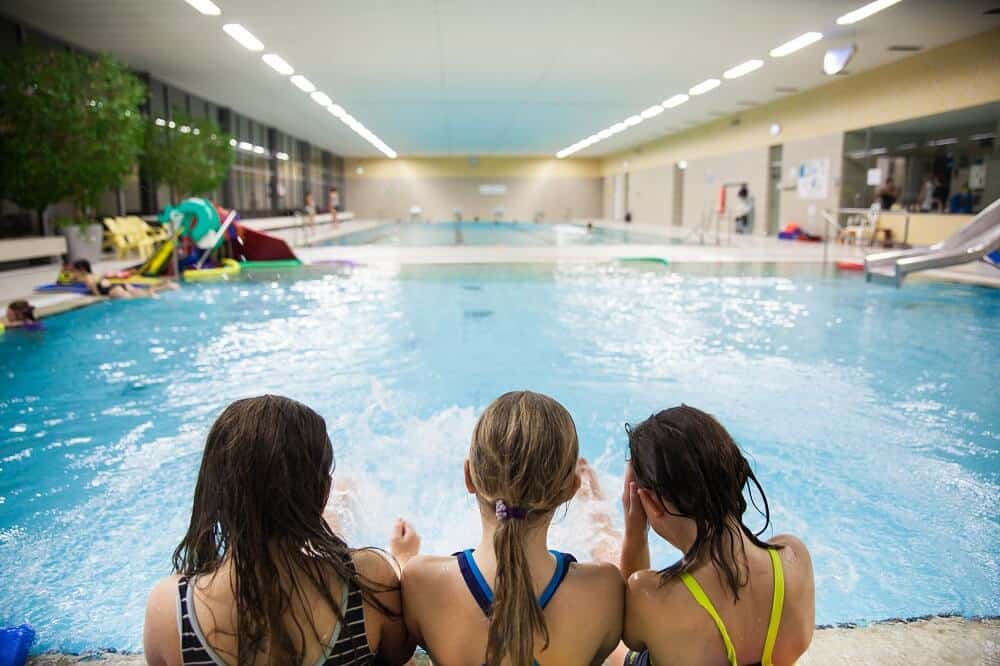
column 636, row 524
column 404, row 543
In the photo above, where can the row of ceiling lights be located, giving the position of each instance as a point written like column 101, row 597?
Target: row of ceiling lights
column 246, row 39
column 736, row 72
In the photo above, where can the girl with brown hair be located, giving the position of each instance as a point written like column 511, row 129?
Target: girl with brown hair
column 732, row 598
column 511, row 600
column 261, row 578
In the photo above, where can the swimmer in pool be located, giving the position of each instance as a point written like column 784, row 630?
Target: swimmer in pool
column 510, row 599
column 100, row 286
column 261, row 577
column 20, row 314
column 732, row 598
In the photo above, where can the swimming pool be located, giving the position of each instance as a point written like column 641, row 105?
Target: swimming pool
column 491, row 233
column 870, row 415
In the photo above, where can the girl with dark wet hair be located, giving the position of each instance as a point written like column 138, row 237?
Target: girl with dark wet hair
column 732, row 598
column 261, row 578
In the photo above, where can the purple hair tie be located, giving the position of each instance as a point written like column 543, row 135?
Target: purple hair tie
column 504, row 512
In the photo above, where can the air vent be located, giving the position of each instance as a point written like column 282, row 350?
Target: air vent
column 785, row 89
column 908, row 48
column 843, row 72
column 747, row 102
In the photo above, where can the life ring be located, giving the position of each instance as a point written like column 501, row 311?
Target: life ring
column 229, row 268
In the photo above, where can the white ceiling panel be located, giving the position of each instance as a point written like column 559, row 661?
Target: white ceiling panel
column 450, row 77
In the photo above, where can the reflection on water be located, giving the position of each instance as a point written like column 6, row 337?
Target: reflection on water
column 869, row 413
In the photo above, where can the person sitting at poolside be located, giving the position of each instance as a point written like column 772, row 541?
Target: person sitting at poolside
column 511, row 600
column 686, row 480
column 261, row 576
column 20, row 314
column 101, row 286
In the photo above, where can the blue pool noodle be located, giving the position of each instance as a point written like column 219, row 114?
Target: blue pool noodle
column 15, row 642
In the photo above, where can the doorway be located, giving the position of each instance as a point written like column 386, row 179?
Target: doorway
column 774, row 191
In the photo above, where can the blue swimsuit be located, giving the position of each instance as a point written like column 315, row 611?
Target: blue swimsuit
column 482, row 593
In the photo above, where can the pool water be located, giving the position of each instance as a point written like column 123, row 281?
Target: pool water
column 870, row 415
column 491, row 233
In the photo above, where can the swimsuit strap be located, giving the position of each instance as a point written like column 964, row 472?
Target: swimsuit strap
column 481, row 591
column 777, row 604
column 699, row 595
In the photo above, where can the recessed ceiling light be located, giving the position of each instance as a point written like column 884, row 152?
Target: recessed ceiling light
column 632, row 121
column 282, row 156
column 302, row 83
column 243, row 36
column 652, row 111
column 743, row 69
column 206, row 7
column 796, row 44
column 321, row 98
column 775, row 129
column 705, row 86
column 278, row 64
column 864, row 12
column 676, row 100
column 160, row 122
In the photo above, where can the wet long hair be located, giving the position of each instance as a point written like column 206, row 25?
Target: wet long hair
column 23, row 310
column 258, row 505
column 524, row 452
column 688, row 459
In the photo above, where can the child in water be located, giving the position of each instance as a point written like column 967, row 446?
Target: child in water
column 20, row 314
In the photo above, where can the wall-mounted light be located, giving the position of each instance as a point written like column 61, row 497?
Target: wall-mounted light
column 775, row 129
column 835, row 60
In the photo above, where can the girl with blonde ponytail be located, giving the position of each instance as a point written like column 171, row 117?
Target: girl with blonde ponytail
column 511, row 601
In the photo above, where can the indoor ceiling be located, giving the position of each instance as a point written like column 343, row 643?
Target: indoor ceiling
column 440, row 77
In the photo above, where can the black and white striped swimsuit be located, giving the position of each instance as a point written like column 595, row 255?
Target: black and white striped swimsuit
column 348, row 645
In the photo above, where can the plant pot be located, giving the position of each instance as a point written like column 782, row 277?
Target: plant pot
column 84, row 242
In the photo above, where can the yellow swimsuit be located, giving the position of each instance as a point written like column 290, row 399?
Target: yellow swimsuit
column 777, row 603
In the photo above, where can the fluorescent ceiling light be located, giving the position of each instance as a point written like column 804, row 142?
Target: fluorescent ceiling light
column 282, row 156
column 246, row 145
column 160, row 122
column 906, row 146
column 184, row 129
column 321, row 98
column 278, row 64
column 632, row 121
column 260, row 150
column 243, row 36
column 799, row 42
column 705, row 86
column 982, row 137
column 604, row 133
column 676, row 100
column 859, row 14
column 878, row 151
column 651, row 112
column 745, row 68
column 943, row 142
column 336, row 110
column 617, row 127
column 206, row 7
column 302, row 83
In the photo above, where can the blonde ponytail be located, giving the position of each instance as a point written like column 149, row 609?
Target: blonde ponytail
column 523, row 461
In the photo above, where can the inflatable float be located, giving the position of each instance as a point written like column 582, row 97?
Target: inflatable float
column 15, row 643
column 850, row 266
column 229, row 268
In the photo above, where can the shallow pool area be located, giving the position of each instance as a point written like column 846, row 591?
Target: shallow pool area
column 870, row 414
column 436, row 234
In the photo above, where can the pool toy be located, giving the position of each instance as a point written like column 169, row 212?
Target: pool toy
column 259, row 246
column 651, row 260
column 270, row 265
column 55, row 287
column 3, row 328
column 229, row 268
column 15, row 642
column 850, row 266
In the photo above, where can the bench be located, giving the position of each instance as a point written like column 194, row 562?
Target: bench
column 32, row 247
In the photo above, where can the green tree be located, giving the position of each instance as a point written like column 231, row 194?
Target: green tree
column 70, row 127
column 190, row 155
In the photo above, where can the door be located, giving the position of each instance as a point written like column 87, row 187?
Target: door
column 774, row 192
column 618, row 194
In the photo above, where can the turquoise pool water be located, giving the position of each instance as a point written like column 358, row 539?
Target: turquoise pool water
column 870, row 414
column 491, row 233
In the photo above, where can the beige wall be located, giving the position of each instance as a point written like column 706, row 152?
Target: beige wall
column 651, row 195
column 556, row 189
column 807, row 213
column 951, row 77
column 735, row 148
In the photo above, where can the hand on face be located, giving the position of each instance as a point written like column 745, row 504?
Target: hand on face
column 636, row 522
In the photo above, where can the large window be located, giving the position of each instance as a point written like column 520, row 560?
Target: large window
column 944, row 163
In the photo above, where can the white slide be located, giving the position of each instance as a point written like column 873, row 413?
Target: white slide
column 972, row 242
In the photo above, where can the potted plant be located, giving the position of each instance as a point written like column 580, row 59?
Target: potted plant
column 70, row 129
column 190, row 155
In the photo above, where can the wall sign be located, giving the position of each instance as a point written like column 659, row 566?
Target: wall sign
column 814, row 179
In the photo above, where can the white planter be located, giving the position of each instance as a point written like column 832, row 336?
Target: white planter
column 84, row 242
